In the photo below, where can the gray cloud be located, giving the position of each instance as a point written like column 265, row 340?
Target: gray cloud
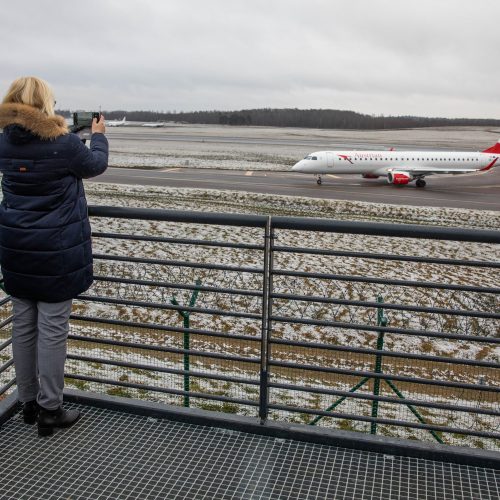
column 432, row 57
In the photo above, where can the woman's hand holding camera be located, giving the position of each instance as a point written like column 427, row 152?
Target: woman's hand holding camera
column 98, row 127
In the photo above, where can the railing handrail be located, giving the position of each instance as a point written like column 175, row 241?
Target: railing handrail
column 301, row 223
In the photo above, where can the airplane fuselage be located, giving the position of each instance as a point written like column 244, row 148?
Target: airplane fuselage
column 377, row 163
column 400, row 167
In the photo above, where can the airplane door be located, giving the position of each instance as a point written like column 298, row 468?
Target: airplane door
column 329, row 159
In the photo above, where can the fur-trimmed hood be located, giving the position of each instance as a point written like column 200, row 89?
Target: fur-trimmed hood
column 32, row 119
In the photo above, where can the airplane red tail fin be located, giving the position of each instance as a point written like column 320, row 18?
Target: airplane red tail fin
column 494, row 149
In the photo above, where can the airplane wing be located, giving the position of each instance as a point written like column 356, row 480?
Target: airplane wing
column 453, row 171
column 432, row 170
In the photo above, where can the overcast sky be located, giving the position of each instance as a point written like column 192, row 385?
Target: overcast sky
column 391, row 57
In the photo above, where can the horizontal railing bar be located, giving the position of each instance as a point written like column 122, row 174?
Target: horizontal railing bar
column 5, row 300
column 170, row 307
column 172, row 350
column 6, row 322
column 7, row 386
column 175, row 329
column 177, row 263
column 385, row 329
column 161, row 389
column 386, row 229
column 386, row 376
column 386, row 421
column 381, row 256
column 5, row 344
column 393, row 354
column 384, row 281
column 139, row 366
column 385, row 399
column 219, row 219
column 6, row 365
column 165, row 284
column 179, row 241
column 384, row 305
column 300, row 223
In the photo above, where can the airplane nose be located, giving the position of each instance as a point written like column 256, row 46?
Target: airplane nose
column 297, row 166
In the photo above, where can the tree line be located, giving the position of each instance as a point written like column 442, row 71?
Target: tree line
column 305, row 118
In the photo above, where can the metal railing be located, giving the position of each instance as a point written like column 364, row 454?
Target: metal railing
column 381, row 328
column 7, row 376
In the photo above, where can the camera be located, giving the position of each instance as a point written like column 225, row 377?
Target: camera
column 83, row 119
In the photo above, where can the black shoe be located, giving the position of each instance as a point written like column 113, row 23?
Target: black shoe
column 48, row 420
column 30, row 412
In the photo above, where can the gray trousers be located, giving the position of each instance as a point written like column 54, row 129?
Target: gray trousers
column 39, row 334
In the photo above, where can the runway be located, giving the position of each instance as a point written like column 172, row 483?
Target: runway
column 474, row 191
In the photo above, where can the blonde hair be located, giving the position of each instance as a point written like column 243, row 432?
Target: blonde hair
column 31, row 91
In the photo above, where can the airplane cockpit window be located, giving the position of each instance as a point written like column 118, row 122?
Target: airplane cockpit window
column 307, row 158
column 314, row 157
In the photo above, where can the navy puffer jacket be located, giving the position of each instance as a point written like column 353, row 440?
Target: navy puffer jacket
column 45, row 246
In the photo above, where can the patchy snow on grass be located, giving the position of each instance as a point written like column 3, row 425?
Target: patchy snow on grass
column 208, row 200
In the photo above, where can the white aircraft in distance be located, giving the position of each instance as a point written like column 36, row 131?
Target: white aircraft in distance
column 400, row 167
column 117, row 123
column 153, row 124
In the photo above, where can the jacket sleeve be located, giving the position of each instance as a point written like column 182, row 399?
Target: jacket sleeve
column 85, row 162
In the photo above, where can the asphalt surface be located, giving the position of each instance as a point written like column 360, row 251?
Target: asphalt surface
column 217, row 139
column 475, row 191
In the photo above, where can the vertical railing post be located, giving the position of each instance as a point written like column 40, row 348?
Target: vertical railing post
column 381, row 321
column 266, row 322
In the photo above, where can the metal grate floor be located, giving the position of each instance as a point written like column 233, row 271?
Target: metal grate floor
column 114, row 455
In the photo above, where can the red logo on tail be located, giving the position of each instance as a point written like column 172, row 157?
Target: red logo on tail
column 494, row 149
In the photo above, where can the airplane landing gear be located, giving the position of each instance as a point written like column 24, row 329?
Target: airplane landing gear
column 420, row 183
column 319, row 181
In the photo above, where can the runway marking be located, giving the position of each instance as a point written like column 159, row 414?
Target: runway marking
column 249, row 172
column 175, row 169
column 333, row 176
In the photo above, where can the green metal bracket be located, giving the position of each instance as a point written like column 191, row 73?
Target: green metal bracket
column 381, row 321
column 340, row 400
column 413, row 409
column 185, row 317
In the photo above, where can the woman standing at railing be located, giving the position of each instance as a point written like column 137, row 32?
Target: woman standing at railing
column 45, row 246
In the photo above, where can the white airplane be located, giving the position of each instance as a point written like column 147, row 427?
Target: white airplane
column 153, row 124
column 117, row 123
column 400, row 167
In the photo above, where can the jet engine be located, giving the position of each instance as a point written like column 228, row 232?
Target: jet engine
column 398, row 177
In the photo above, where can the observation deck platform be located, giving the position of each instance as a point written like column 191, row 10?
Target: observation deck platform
column 111, row 453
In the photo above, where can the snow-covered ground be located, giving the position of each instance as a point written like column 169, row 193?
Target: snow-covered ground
column 207, row 200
